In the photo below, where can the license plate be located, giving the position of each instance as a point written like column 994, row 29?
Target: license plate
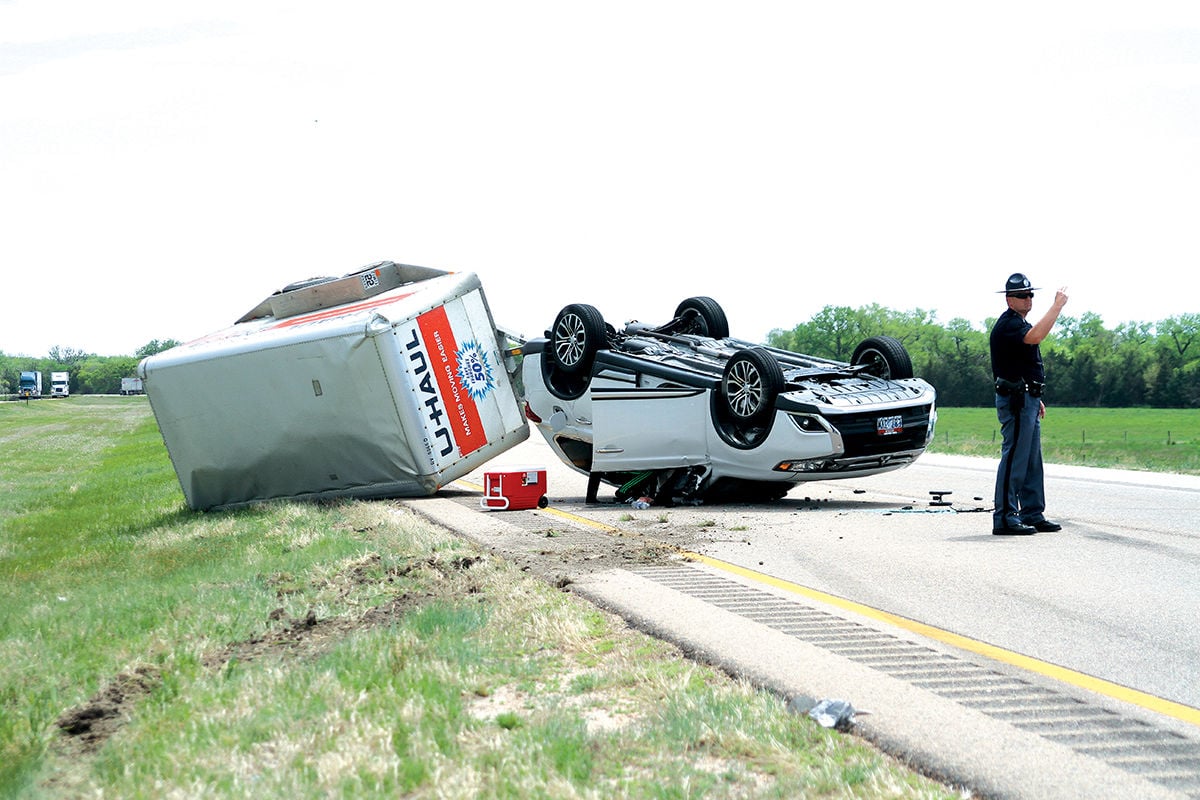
column 887, row 426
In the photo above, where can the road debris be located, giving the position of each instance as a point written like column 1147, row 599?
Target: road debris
column 836, row 714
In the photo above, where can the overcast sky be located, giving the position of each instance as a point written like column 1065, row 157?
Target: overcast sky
column 165, row 166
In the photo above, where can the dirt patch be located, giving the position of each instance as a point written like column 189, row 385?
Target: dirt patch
column 91, row 724
column 87, row 727
column 563, row 552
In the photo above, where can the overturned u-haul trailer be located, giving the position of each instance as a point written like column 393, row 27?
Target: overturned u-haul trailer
column 389, row 382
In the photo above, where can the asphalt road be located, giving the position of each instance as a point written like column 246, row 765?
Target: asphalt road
column 1102, row 613
column 1115, row 594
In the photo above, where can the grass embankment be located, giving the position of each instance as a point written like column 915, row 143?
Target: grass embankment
column 341, row 650
column 1152, row 439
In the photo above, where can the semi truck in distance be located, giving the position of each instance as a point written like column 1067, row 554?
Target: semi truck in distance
column 131, row 386
column 30, row 385
column 60, row 384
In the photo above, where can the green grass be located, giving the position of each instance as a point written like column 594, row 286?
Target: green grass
column 1159, row 440
column 337, row 650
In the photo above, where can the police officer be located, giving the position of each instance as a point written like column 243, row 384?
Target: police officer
column 1019, row 377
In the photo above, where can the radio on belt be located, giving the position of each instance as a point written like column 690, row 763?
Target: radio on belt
column 515, row 489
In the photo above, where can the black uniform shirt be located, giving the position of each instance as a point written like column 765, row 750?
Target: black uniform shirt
column 1012, row 359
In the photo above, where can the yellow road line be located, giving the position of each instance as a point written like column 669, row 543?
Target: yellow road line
column 1069, row 676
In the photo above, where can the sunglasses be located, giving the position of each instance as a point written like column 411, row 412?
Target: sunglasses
column 1021, row 295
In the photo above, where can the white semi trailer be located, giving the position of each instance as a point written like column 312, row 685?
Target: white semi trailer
column 60, row 384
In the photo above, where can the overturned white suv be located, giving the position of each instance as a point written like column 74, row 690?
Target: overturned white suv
column 682, row 413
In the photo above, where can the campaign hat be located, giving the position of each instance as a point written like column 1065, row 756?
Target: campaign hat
column 1017, row 282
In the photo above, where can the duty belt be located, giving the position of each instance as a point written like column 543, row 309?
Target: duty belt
column 1006, row 388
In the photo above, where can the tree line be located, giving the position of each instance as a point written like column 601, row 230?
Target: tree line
column 90, row 374
column 1087, row 364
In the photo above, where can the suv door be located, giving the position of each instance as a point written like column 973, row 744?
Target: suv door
column 638, row 427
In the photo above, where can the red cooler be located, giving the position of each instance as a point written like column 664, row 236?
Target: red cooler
column 514, row 490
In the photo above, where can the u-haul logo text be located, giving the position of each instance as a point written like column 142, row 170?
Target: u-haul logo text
column 439, row 433
column 451, row 416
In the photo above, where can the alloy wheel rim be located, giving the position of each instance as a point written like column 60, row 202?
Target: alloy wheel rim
column 568, row 340
column 745, row 389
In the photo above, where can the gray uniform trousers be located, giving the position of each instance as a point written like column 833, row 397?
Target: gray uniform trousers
column 1020, row 480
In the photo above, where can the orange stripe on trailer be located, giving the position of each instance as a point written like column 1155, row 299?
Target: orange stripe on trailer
column 442, row 347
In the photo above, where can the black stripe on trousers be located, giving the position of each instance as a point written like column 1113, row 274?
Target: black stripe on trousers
column 1011, row 455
